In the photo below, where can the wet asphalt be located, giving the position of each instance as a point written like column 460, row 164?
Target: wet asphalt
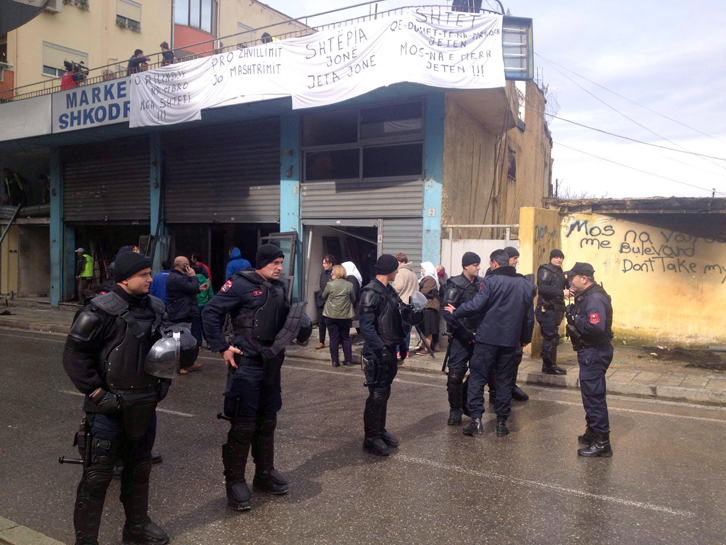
column 665, row 484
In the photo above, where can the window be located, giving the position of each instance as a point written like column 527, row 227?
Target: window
column 512, row 169
column 55, row 55
column 201, row 14
column 364, row 143
column 54, row 6
column 128, row 14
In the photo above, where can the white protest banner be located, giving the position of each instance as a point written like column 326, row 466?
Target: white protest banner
column 442, row 49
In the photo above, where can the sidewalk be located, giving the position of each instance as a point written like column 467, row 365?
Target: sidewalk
column 654, row 372
column 14, row 534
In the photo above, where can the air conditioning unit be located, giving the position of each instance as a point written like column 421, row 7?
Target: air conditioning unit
column 54, row 6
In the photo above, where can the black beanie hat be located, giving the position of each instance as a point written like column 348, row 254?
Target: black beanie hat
column 386, row 264
column 469, row 259
column 267, row 253
column 557, row 253
column 511, row 251
column 128, row 264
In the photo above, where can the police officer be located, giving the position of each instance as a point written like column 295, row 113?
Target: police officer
column 105, row 356
column 459, row 290
column 553, row 289
column 382, row 329
column 507, row 298
column 264, row 323
column 589, row 323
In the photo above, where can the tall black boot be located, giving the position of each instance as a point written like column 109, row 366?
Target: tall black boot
column 90, row 497
column 267, row 478
column 549, row 361
column 600, row 447
column 455, row 389
column 135, row 498
column 388, row 438
column 588, row 437
column 234, row 457
column 372, row 421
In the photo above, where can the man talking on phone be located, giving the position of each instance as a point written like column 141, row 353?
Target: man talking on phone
column 182, row 288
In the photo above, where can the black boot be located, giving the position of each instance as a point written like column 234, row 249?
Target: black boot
column 135, row 498
column 89, row 502
column 234, row 457
column 454, row 417
column 549, row 362
column 502, row 428
column 552, row 369
column 588, row 437
column 373, row 423
column 267, row 478
column 474, row 427
column 388, row 438
column 600, row 447
column 455, row 389
column 518, row 394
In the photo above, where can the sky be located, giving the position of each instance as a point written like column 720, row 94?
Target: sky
column 662, row 55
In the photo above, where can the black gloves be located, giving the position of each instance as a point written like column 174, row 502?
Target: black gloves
column 106, row 402
column 163, row 388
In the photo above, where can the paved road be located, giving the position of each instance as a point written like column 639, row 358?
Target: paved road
column 665, row 484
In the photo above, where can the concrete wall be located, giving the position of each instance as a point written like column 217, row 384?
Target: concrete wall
column 668, row 288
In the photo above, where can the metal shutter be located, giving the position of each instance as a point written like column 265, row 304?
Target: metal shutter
column 403, row 235
column 107, row 182
column 223, row 173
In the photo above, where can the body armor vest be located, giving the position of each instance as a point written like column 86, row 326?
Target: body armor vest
column 262, row 324
column 388, row 318
column 459, row 291
column 580, row 299
column 123, row 359
column 552, row 276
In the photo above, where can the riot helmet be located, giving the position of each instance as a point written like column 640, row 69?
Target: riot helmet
column 177, row 349
column 306, row 329
column 413, row 313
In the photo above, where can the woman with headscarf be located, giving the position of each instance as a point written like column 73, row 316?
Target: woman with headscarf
column 429, row 286
column 355, row 278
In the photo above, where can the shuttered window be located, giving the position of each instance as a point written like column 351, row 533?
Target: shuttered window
column 54, row 55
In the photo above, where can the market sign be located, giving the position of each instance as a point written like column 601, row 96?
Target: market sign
column 452, row 50
column 91, row 105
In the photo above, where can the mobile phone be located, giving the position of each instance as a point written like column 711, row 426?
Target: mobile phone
column 185, row 268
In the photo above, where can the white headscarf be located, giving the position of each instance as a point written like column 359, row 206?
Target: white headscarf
column 352, row 270
column 430, row 270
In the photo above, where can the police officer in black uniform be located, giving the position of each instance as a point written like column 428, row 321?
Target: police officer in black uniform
column 264, row 323
column 589, row 324
column 459, row 290
column 105, row 355
column 382, row 329
column 553, row 289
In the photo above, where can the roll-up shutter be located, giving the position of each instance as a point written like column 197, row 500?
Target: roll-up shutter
column 107, row 182
column 367, row 199
column 403, row 235
column 223, row 173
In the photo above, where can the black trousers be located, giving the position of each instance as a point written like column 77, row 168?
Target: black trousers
column 379, row 378
column 253, row 388
column 594, row 363
column 549, row 322
column 485, row 358
column 339, row 334
column 321, row 325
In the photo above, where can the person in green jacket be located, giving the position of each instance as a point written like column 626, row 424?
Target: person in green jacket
column 84, row 272
column 339, row 312
column 203, row 297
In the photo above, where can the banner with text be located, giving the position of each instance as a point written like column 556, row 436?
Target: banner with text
column 442, row 49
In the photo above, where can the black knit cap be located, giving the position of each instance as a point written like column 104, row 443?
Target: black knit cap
column 128, row 264
column 470, row 258
column 511, row 251
column 557, row 253
column 267, row 253
column 386, row 264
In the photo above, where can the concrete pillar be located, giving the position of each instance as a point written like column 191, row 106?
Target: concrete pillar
column 57, row 235
column 156, row 189
column 290, row 178
column 434, row 175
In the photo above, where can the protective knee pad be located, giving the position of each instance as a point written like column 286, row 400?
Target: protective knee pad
column 455, row 389
column 137, row 471
column 237, row 448
column 266, row 425
column 96, row 479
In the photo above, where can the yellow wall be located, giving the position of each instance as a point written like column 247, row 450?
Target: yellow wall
column 252, row 14
column 667, row 287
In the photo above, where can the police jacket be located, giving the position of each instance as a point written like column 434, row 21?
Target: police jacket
column 460, row 290
column 181, row 295
column 240, row 297
column 109, row 341
column 380, row 317
column 593, row 313
column 551, row 284
column 506, row 300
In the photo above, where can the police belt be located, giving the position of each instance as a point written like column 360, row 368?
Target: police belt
column 245, row 361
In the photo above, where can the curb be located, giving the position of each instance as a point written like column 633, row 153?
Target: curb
column 14, row 534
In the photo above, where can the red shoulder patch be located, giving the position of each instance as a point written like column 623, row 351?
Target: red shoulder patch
column 594, row 318
column 227, row 285
column 257, row 293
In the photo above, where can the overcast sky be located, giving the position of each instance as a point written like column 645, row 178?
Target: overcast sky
column 665, row 55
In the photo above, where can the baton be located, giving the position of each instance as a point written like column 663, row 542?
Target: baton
column 448, row 351
column 423, row 342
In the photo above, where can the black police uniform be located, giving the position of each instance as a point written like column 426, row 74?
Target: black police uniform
column 383, row 331
column 506, row 299
column 590, row 327
column 107, row 348
column 258, row 309
column 460, row 290
column 550, row 310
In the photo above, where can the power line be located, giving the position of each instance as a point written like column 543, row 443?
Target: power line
column 639, row 170
column 629, row 100
column 622, row 114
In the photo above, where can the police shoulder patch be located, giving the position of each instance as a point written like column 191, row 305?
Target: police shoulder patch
column 257, row 293
column 227, row 285
column 594, row 318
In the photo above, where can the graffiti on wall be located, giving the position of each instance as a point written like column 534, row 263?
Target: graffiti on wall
column 651, row 250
